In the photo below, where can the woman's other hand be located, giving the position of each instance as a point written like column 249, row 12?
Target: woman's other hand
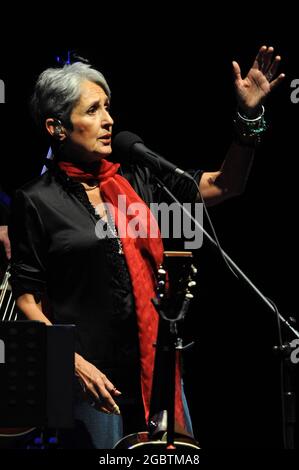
column 98, row 389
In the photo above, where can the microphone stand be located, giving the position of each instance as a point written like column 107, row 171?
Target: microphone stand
column 283, row 349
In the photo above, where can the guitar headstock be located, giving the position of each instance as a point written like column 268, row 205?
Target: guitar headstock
column 175, row 282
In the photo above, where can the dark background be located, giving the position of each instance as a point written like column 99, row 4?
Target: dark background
column 177, row 93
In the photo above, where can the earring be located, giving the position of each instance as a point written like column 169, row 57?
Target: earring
column 57, row 131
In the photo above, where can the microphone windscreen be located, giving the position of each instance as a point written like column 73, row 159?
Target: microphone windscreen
column 123, row 142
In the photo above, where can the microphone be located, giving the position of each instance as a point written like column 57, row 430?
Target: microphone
column 132, row 147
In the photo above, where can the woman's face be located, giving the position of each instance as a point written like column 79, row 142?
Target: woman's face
column 92, row 124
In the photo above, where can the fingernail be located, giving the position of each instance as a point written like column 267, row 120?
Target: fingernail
column 116, row 410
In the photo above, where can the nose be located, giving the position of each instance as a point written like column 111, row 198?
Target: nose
column 108, row 119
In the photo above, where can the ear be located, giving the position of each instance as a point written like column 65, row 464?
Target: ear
column 55, row 129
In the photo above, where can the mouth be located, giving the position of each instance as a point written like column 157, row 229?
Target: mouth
column 106, row 138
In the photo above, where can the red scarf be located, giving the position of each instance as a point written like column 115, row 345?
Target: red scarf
column 143, row 256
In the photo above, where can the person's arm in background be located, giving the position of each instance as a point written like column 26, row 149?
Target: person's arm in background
column 4, row 216
column 251, row 93
column 4, row 240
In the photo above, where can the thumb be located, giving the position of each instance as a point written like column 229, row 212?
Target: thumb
column 236, row 70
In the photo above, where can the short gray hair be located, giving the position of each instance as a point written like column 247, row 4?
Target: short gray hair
column 57, row 91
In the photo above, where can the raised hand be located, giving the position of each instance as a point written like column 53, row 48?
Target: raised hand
column 260, row 81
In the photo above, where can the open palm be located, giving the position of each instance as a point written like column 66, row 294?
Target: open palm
column 259, row 82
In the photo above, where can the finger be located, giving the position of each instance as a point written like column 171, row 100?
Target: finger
column 258, row 61
column 103, row 405
column 277, row 81
column 273, row 68
column 89, row 391
column 267, row 59
column 109, row 386
column 106, row 398
column 115, row 391
column 236, row 70
column 105, row 410
column 101, row 401
column 99, row 407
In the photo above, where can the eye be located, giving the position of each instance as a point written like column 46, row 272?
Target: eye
column 92, row 110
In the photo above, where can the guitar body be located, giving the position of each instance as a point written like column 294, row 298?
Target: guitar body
column 143, row 441
column 14, row 438
column 10, row 432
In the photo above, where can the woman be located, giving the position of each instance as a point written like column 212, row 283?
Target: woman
column 104, row 285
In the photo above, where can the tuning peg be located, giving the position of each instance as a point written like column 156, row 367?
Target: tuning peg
column 189, row 295
column 162, row 271
column 191, row 284
column 194, row 269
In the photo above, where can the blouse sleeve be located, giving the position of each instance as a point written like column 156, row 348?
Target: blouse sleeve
column 28, row 243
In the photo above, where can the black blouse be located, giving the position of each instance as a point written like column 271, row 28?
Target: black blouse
column 55, row 251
